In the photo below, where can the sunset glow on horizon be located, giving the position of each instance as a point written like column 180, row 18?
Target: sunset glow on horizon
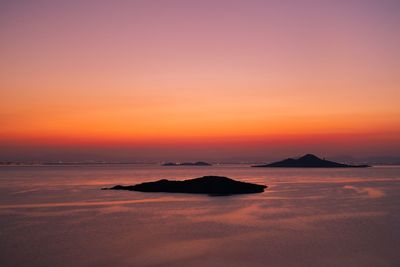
column 210, row 79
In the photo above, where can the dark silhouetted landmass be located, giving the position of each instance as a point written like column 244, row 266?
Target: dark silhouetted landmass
column 199, row 163
column 170, row 164
column 212, row 185
column 309, row 161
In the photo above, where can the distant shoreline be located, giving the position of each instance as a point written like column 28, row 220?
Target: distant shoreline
column 158, row 163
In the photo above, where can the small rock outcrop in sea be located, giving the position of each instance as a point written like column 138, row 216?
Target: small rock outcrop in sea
column 309, row 161
column 199, row 163
column 211, row 185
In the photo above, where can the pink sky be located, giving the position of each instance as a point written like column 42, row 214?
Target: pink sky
column 211, row 79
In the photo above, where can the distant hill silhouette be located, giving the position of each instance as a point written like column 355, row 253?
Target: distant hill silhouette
column 309, row 161
column 199, row 163
column 212, row 185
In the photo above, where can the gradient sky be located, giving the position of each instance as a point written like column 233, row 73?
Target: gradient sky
column 206, row 80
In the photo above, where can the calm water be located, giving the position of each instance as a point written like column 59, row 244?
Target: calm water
column 57, row 216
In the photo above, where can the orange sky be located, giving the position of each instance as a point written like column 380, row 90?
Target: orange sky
column 101, row 73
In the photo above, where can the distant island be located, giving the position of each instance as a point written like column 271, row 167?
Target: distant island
column 309, row 161
column 211, row 185
column 199, row 163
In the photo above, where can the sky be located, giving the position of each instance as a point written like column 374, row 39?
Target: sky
column 199, row 80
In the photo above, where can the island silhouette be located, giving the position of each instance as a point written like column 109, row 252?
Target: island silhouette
column 198, row 163
column 308, row 161
column 211, row 185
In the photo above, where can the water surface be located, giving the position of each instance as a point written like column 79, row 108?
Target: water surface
column 57, row 216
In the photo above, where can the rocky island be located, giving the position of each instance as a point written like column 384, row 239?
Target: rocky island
column 199, row 163
column 309, row 161
column 211, row 185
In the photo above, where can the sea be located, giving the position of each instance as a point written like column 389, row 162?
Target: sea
column 55, row 216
